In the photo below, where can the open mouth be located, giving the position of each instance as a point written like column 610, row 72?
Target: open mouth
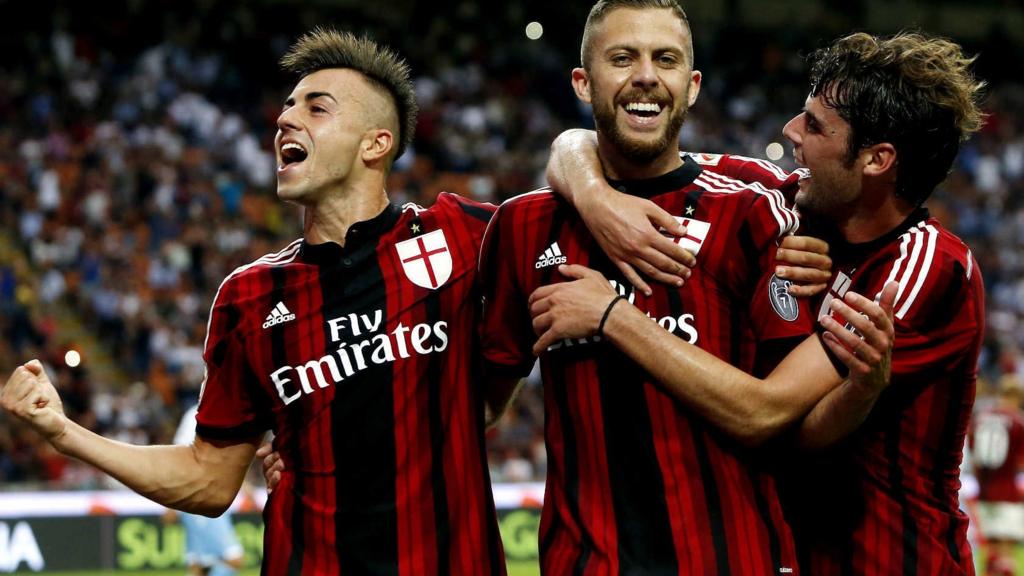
column 643, row 109
column 292, row 153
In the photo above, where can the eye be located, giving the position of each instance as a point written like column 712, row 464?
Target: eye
column 667, row 60
column 620, row 60
column 317, row 109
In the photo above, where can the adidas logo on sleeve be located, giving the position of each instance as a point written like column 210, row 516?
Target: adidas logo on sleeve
column 551, row 257
column 279, row 315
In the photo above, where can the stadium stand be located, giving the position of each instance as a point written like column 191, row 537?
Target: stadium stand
column 136, row 172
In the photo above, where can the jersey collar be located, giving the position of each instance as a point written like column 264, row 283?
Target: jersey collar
column 648, row 187
column 842, row 249
column 358, row 234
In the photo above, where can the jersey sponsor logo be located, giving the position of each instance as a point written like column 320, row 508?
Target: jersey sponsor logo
column 360, row 344
column 426, row 260
column 696, row 233
column 551, row 257
column 681, row 325
column 782, row 301
column 279, row 315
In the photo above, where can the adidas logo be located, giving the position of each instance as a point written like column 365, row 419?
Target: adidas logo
column 279, row 315
column 550, row 257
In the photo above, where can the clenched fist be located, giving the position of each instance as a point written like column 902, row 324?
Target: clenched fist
column 29, row 395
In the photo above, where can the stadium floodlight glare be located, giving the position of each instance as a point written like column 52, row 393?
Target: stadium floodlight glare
column 72, row 358
column 774, row 151
column 534, row 30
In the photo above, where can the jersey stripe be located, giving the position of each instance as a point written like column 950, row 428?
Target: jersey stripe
column 787, row 218
column 931, row 236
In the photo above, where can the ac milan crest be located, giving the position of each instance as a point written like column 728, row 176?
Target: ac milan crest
column 426, row 260
column 696, row 232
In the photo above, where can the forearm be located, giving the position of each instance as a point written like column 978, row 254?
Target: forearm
column 836, row 415
column 574, row 169
column 748, row 408
column 181, row 477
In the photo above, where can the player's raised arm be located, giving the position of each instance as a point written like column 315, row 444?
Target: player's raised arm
column 626, row 227
column 202, row 478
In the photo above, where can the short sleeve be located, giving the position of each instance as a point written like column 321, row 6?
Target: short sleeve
column 774, row 312
column 229, row 407
column 506, row 333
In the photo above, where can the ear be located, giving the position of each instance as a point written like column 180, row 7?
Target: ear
column 879, row 159
column 581, row 84
column 695, row 78
column 376, row 145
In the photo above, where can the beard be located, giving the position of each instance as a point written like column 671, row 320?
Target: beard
column 634, row 150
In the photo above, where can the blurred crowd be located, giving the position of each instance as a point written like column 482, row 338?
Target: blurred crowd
column 133, row 179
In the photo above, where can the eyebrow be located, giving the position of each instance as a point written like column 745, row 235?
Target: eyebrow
column 310, row 96
column 814, row 118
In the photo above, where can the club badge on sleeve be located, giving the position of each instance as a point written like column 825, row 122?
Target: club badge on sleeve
column 783, row 302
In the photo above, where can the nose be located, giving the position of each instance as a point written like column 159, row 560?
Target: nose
column 792, row 129
column 644, row 74
column 285, row 120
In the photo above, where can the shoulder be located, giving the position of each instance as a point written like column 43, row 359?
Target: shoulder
column 244, row 274
column 748, row 169
column 762, row 201
column 539, row 199
column 936, row 271
column 448, row 202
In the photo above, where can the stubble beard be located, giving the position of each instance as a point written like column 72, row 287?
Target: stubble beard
column 634, row 150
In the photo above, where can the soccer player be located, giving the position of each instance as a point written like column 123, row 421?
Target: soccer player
column 637, row 482
column 997, row 452
column 879, row 131
column 353, row 344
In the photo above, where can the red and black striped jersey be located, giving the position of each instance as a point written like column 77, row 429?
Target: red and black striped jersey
column 754, row 170
column 884, row 501
column 361, row 360
column 637, row 483
column 997, row 452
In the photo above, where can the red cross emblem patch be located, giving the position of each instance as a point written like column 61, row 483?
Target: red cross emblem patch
column 696, row 233
column 426, row 260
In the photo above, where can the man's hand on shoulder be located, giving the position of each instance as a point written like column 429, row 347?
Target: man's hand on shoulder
column 804, row 261
column 631, row 231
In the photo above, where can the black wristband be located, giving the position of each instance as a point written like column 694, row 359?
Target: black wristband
column 607, row 312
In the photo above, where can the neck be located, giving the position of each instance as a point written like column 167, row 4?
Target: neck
column 876, row 213
column 329, row 219
column 619, row 167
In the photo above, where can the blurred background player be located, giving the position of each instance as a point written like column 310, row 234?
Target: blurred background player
column 211, row 546
column 997, row 454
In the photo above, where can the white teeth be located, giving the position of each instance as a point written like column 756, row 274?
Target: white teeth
column 643, row 107
column 291, row 145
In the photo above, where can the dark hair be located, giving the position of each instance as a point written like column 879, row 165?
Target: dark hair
column 327, row 48
column 914, row 92
column 604, row 7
